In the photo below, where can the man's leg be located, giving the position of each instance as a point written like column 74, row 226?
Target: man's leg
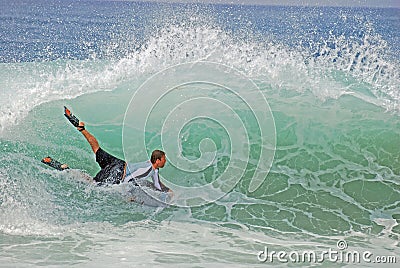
column 89, row 137
column 112, row 168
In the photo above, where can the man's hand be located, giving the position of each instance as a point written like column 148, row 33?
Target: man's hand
column 170, row 193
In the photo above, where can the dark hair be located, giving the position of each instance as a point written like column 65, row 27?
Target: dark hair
column 156, row 154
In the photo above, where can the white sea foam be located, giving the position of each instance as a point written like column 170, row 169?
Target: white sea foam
column 337, row 70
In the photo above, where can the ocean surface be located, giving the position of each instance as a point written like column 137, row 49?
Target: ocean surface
column 281, row 127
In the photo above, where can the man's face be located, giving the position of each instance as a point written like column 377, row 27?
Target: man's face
column 161, row 162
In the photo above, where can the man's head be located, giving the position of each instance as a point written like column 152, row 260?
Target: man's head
column 158, row 158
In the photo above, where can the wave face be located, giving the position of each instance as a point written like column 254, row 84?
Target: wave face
column 281, row 127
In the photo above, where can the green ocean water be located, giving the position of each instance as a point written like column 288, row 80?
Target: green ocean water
column 320, row 128
column 334, row 174
column 335, row 168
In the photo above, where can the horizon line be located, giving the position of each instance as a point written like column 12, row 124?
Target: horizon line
column 309, row 3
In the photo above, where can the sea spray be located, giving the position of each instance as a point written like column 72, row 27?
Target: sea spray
column 329, row 75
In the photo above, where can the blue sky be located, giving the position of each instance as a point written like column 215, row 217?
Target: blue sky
column 357, row 3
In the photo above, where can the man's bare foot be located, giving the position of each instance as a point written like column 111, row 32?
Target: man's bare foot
column 64, row 166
